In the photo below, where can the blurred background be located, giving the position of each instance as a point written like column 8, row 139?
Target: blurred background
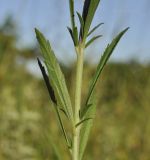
column 28, row 126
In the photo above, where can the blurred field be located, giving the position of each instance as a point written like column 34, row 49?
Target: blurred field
column 28, row 126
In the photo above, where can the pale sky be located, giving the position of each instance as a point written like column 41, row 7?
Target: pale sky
column 52, row 18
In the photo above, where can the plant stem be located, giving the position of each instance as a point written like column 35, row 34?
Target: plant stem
column 76, row 130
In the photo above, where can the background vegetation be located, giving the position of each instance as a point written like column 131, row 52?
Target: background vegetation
column 28, row 129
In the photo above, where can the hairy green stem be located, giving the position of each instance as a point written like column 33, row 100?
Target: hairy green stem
column 76, row 130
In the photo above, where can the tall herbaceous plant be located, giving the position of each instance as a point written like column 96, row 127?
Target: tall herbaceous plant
column 80, row 117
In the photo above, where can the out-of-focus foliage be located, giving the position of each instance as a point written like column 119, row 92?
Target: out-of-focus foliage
column 28, row 130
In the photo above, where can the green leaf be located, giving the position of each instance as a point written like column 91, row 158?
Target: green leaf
column 92, row 40
column 74, row 35
column 82, row 121
column 71, row 34
column 86, row 127
column 106, row 55
column 71, row 5
column 52, row 96
column 86, row 9
column 55, row 75
column 89, row 10
column 80, row 19
column 81, row 24
column 94, row 29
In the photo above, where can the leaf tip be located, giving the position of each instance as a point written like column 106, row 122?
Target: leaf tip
column 36, row 31
column 126, row 29
column 39, row 62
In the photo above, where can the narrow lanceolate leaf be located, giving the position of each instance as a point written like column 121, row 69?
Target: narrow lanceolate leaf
column 80, row 19
column 71, row 5
column 55, row 75
column 96, row 27
column 89, row 10
column 106, row 55
column 92, row 40
column 86, row 9
column 86, row 127
column 47, row 82
column 81, row 25
column 71, row 34
column 74, row 35
column 52, row 96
